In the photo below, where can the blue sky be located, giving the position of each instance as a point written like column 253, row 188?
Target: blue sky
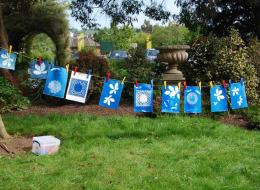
column 105, row 21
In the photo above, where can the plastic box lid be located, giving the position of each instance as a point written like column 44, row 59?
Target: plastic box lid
column 46, row 140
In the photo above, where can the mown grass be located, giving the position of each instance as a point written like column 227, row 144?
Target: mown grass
column 169, row 152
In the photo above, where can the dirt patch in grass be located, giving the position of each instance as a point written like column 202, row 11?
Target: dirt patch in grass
column 237, row 120
column 15, row 145
column 93, row 109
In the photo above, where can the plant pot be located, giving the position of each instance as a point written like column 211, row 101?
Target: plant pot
column 173, row 55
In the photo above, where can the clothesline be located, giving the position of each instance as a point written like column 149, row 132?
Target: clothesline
column 103, row 78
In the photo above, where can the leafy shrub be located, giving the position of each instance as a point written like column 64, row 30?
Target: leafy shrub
column 136, row 67
column 172, row 35
column 10, row 97
column 217, row 59
column 254, row 55
column 88, row 60
column 253, row 116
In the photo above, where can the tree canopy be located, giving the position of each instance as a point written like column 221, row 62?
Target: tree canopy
column 219, row 16
column 121, row 12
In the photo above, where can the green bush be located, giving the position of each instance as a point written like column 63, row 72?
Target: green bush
column 216, row 59
column 253, row 116
column 10, row 97
column 136, row 67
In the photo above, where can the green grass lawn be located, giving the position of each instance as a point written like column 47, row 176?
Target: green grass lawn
column 169, row 152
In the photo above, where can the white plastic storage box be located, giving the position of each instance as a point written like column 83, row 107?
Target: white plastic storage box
column 45, row 145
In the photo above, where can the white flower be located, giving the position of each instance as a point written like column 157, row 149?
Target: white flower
column 235, row 91
column 219, row 95
column 40, row 69
column 240, row 101
column 108, row 100
column 113, row 88
column 7, row 60
column 54, row 86
column 173, row 91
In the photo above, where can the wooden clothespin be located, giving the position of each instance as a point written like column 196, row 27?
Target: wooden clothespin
column 75, row 70
column 108, row 76
column 164, row 84
column 210, row 84
column 136, row 82
column 199, row 83
column 10, row 49
column 67, row 68
column 179, row 85
column 123, row 81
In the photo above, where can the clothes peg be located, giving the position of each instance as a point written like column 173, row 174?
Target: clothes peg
column 224, row 84
column 164, row 84
column 199, row 83
column 123, row 81
column 210, row 84
column 10, row 49
column 75, row 70
column 136, row 82
column 108, row 76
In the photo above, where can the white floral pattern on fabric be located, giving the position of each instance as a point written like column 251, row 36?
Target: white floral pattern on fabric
column 113, row 88
column 172, row 92
column 40, row 69
column 54, row 86
column 219, row 95
column 240, row 101
column 108, row 100
column 7, row 60
column 235, row 91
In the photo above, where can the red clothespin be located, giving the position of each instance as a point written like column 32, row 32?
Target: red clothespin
column 184, row 85
column 108, row 76
column 75, row 70
column 136, row 82
column 224, row 84
column 39, row 60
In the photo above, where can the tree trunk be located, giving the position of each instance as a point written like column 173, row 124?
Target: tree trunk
column 3, row 133
column 4, row 44
column 5, row 73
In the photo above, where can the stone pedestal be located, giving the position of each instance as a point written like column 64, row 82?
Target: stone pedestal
column 173, row 55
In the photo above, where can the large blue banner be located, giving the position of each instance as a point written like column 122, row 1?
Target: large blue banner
column 111, row 94
column 39, row 70
column 56, row 82
column 238, row 95
column 143, row 98
column 7, row 60
column 218, row 99
column 170, row 99
column 192, row 99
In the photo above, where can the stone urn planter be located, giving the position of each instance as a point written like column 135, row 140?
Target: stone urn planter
column 173, row 55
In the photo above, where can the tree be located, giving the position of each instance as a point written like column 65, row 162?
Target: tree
column 147, row 27
column 170, row 35
column 121, row 12
column 120, row 36
column 219, row 16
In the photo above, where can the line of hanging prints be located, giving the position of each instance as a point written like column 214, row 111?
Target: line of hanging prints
column 57, row 78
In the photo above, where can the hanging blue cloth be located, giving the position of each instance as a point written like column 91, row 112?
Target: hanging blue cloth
column 192, row 99
column 39, row 70
column 238, row 95
column 111, row 94
column 218, row 99
column 7, row 60
column 143, row 98
column 56, row 82
column 171, row 99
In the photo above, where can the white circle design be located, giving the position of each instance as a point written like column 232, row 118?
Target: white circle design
column 143, row 98
column 54, row 86
column 192, row 98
